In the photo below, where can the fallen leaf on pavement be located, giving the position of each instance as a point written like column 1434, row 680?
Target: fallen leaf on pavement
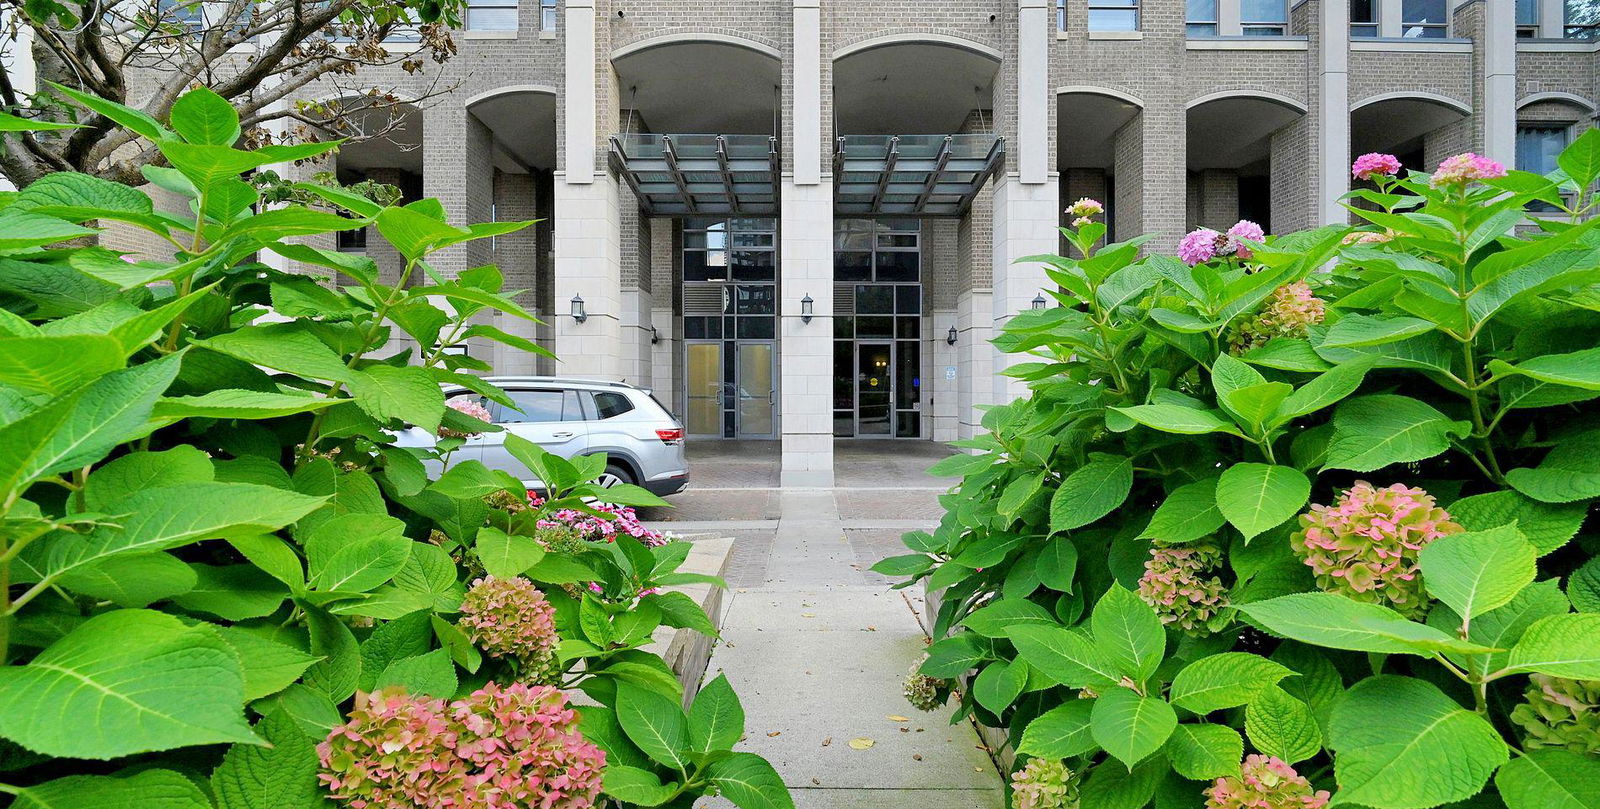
column 861, row 744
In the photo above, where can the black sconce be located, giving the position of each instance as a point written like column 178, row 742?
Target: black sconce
column 805, row 309
column 950, row 339
column 1038, row 301
column 579, row 314
column 655, row 336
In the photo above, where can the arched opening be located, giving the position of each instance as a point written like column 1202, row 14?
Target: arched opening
column 915, row 146
column 1090, row 125
column 1547, row 123
column 1419, row 129
column 697, row 143
column 384, row 149
column 1247, row 159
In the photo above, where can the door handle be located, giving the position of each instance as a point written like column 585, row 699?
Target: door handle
column 561, row 435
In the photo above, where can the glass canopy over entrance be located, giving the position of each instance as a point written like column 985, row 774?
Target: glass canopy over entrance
column 912, row 175
column 690, row 175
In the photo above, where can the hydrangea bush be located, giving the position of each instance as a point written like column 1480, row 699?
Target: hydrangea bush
column 222, row 584
column 1299, row 520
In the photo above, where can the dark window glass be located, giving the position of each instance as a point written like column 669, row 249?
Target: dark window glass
column 755, row 300
column 852, row 266
column 844, row 379
column 898, row 266
column 609, row 405
column 874, row 327
column 1527, row 12
column 694, row 328
column 908, row 300
column 844, row 326
column 1423, row 19
column 874, row 300
column 533, row 406
column 906, row 327
column 756, row 328
column 696, row 267
column 754, row 265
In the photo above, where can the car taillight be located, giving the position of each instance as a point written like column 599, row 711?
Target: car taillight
column 669, row 436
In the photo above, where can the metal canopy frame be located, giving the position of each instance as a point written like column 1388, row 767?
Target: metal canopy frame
column 912, row 175
column 693, row 175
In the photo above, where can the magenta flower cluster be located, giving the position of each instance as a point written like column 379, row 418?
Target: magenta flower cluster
column 1288, row 312
column 467, row 406
column 1204, row 244
column 1375, row 164
column 516, row 747
column 1465, row 168
column 1366, row 544
column 600, row 529
column 1044, row 783
column 1265, row 782
column 1177, row 583
column 511, row 619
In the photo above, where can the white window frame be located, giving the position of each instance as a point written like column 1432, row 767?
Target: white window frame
column 491, row 5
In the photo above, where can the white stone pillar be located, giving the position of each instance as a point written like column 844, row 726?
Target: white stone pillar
column 1499, row 47
column 1033, row 92
column 1552, row 19
column 1229, row 23
column 805, row 232
column 579, row 98
column 588, row 246
column 1389, row 13
column 1333, row 125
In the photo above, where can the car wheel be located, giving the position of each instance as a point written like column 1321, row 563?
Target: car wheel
column 614, row 476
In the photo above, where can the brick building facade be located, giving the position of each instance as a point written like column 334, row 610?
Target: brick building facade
column 807, row 277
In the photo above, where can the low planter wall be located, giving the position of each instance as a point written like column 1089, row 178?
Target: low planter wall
column 688, row 652
column 994, row 739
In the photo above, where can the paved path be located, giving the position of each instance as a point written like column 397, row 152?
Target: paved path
column 818, row 649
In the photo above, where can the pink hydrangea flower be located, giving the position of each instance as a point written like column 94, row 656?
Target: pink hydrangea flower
column 1366, row 545
column 467, row 406
column 1366, row 237
column 1289, row 312
column 1199, row 246
column 1082, row 221
column 600, row 529
column 1375, row 164
column 1265, row 782
column 1177, row 584
column 1465, row 168
column 1086, row 207
column 516, row 747
column 1243, row 229
column 511, row 619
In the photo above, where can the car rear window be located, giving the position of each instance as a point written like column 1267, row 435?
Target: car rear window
column 535, row 406
column 611, row 404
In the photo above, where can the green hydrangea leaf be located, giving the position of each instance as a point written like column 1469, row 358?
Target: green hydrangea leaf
column 1130, row 727
column 1201, row 751
column 1282, row 726
column 1061, row 732
column 150, row 789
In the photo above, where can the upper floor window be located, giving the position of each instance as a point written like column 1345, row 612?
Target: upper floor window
column 187, row 15
column 1363, row 18
column 1527, row 18
column 1061, row 15
column 1113, row 15
column 492, row 15
column 1424, row 19
column 877, row 250
column 547, row 15
column 1583, row 19
column 1263, row 18
column 1202, row 18
column 1538, row 146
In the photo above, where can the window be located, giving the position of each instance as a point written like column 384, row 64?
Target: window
column 1583, row 19
column 540, row 406
column 1202, row 18
column 492, row 15
column 351, row 241
column 877, row 250
column 547, row 15
column 1363, row 18
column 188, row 15
column 1113, row 15
column 1423, row 19
column 610, row 405
column 730, row 249
column 1061, row 15
column 1527, row 19
column 1264, row 18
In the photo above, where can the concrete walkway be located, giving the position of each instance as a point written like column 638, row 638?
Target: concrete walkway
column 818, row 650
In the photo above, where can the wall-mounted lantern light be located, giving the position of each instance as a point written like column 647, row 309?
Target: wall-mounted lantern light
column 805, row 309
column 950, row 339
column 578, row 312
column 1038, row 301
column 655, row 336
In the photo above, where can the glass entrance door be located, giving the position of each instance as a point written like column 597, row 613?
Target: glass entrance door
column 874, row 389
column 704, row 387
column 757, row 393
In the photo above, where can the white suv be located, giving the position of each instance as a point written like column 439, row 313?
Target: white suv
column 642, row 442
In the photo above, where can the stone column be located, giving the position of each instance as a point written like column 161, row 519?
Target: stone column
column 1333, row 112
column 664, row 352
column 588, row 226
column 973, row 356
column 1552, row 19
column 805, row 232
column 516, row 254
column 1498, row 45
column 458, row 170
